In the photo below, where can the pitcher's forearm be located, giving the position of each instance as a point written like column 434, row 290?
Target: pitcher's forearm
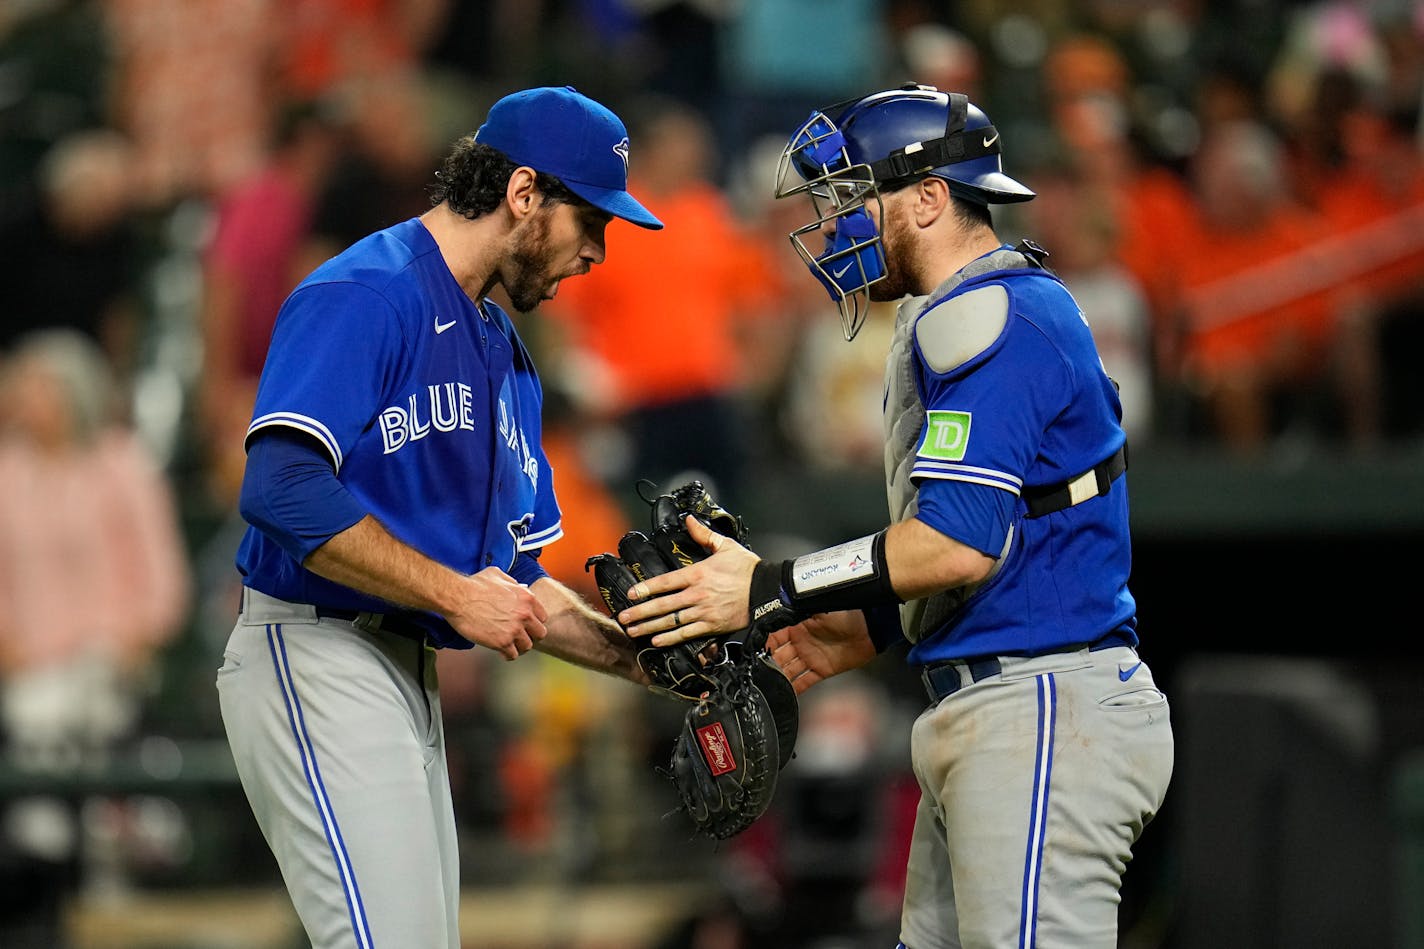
column 369, row 558
column 579, row 634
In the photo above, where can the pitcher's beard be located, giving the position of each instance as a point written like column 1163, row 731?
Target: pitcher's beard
column 528, row 278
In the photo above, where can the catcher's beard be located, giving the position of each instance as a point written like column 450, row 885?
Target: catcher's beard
column 530, row 262
column 900, row 280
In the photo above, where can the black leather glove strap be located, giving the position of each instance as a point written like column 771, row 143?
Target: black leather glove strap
column 849, row 576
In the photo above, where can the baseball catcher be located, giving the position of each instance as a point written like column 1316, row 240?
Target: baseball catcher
column 741, row 727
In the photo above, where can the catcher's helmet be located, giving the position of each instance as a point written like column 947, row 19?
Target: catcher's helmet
column 843, row 154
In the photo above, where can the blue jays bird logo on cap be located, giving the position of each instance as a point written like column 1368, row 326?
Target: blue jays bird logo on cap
column 622, row 150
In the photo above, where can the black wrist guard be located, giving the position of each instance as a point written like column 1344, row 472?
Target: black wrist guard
column 767, row 605
column 852, row 575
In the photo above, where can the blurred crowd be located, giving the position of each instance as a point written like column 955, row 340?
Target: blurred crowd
column 1234, row 192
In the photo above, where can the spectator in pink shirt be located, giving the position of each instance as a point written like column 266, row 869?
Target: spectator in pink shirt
column 93, row 573
column 252, row 261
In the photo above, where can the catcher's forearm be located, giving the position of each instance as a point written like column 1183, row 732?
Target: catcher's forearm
column 581, row 635
column 906, row 561
column 848, row 576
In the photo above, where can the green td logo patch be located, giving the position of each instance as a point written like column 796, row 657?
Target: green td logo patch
column 946, row 435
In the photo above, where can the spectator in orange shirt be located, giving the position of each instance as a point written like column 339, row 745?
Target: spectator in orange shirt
column 655, row 344
column 1373, row 203
column 1258, row 321
column 1379, row 182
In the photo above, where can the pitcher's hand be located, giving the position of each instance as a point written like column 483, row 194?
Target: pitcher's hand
column 500, row 613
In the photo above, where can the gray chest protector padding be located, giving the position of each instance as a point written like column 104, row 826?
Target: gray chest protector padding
column 951, row 335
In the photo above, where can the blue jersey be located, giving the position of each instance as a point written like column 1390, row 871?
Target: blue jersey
column 428, row 406
column 1035, row 407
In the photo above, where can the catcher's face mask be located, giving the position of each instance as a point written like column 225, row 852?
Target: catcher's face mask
column 892, row 137
column 845, row 251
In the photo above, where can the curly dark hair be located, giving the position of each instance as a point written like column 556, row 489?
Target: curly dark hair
column 473, row 178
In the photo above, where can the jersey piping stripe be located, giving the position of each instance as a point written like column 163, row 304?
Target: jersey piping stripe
column 950, row 467
column 1011, row 485
column 1038, row 815
column 543, row 538
column 302, row 423
column 297, row 720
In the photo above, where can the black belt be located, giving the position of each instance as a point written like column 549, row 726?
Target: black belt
column 1047, row 498
column 943, row 679
column 393, row 623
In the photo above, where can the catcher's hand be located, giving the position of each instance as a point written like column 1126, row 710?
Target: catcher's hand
column 681, row 669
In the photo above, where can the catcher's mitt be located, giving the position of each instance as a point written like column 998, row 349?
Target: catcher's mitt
column 725, row 759
column 741, row 729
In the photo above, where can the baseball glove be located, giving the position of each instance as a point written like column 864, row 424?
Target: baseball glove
column 726, row 757
column 741, row 729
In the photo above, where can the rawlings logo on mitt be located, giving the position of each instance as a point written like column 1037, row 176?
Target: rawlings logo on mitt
column 741, row 729
column 713, row 741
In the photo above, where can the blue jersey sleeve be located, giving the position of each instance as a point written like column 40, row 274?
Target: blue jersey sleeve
column 984, row 421
column 527, row 568
column 290, row 492
column 335, row 358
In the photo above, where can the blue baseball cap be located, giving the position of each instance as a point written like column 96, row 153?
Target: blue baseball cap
column 561, row 132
